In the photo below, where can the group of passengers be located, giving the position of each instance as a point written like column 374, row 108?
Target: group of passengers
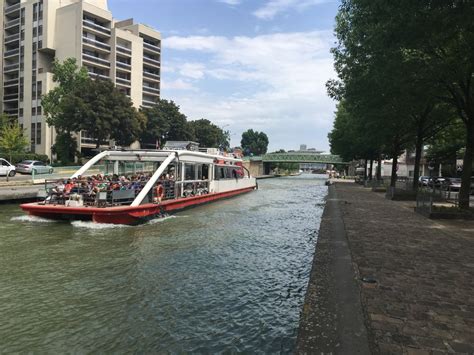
column 92, row 185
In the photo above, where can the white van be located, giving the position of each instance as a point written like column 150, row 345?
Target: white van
column 6, row 168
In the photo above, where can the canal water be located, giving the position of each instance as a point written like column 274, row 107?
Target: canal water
column 229, row 276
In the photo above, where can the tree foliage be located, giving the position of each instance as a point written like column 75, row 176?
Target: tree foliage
column 254, row 142
column 404, row 67
column 12, row 139
column 100, row 109
column 208, row 134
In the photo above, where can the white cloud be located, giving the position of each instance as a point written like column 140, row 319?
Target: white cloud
column 192, row 70
column 273, row 7
column 280, row 84
column 178, row 84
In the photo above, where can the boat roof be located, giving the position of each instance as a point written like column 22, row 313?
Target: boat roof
column 152, row 155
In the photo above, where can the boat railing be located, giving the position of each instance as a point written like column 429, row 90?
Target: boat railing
column 188, row 188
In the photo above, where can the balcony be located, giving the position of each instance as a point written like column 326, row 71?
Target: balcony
column 11, row 67
column 11, row 82
column 12, row 8
column 123, row 81
column 12, row 23
column 96, row 27
column 11, row 53
column 122, row 65
column 97, row 75
column 12, row 38
column 151, row 91
column 151, row 76
column 11, row 110
column 96, row 60
column 151, row 47
column 151, row 61
column 124, row 50
column 148, row 103
column 96, row 44
column 10, row 97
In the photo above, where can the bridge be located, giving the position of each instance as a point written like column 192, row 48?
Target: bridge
column 300, row 158
column 261, row 165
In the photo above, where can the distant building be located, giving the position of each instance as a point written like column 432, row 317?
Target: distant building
column 35, row 32
column 309, row 166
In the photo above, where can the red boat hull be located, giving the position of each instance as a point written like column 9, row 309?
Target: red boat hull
column 124, row 214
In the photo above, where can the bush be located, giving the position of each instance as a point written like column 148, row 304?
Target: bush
column 18, row 157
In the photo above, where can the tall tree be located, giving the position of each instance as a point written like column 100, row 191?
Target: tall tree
column 104, row 112
column 68, row 76
column 12, row 139
column 254, row 142
column 164, row 122
column 208, row 134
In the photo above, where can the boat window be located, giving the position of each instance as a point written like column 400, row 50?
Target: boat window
column 205, row 172
column 189, row 172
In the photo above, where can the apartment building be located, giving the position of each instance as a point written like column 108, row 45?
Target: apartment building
column 35, row 32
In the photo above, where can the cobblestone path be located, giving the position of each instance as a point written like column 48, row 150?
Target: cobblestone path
column 423, row 301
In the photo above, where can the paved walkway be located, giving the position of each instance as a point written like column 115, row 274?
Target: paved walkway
column 423, row 301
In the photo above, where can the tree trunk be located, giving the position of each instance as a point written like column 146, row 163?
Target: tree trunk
column 379, row 168
column 365, row 169
column 418, row 151
column 467, row 166
column 393, row 177
column 371, row 169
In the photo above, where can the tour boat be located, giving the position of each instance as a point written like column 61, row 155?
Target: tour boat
column 137, row 185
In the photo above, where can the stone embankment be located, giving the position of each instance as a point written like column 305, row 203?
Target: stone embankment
column 386, row 280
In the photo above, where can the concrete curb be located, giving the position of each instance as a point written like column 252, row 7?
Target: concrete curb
column 332, row 319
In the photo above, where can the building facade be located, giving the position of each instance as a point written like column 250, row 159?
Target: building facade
column 35, row 32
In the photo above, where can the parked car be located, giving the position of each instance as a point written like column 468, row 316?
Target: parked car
column 452, row 184
column 34, row 166
column 423, row 180
column 6, row 168
column 436, row 181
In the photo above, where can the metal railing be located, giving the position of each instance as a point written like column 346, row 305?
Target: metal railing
column 124, row 50
column 12, row 38
column 151, row 47
column 151, row 90
column 11, row 67
column 94, row 59
column 151, row 61
column 12, row 8
column 151, row 75
column 96, row 27
column 123, row 81
column 12, row 23
column 123, row 65
column 95, row 43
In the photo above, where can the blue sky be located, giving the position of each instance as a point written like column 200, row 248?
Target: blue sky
column 259, row 64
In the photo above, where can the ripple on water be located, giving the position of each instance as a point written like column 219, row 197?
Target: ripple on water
column 35, row 219
column 228, row 276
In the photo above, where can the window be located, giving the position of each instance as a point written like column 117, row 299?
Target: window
column 38, row 110
column 39, row 88
column 38, row 132
column 189, row 172
column 33, row 127
column 20, row 114
column 40, row 44
column 40, row 30
column 35, row 31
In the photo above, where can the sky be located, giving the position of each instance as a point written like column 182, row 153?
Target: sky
column 247, row 64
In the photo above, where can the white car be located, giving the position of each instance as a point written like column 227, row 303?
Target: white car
column 6, row 168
